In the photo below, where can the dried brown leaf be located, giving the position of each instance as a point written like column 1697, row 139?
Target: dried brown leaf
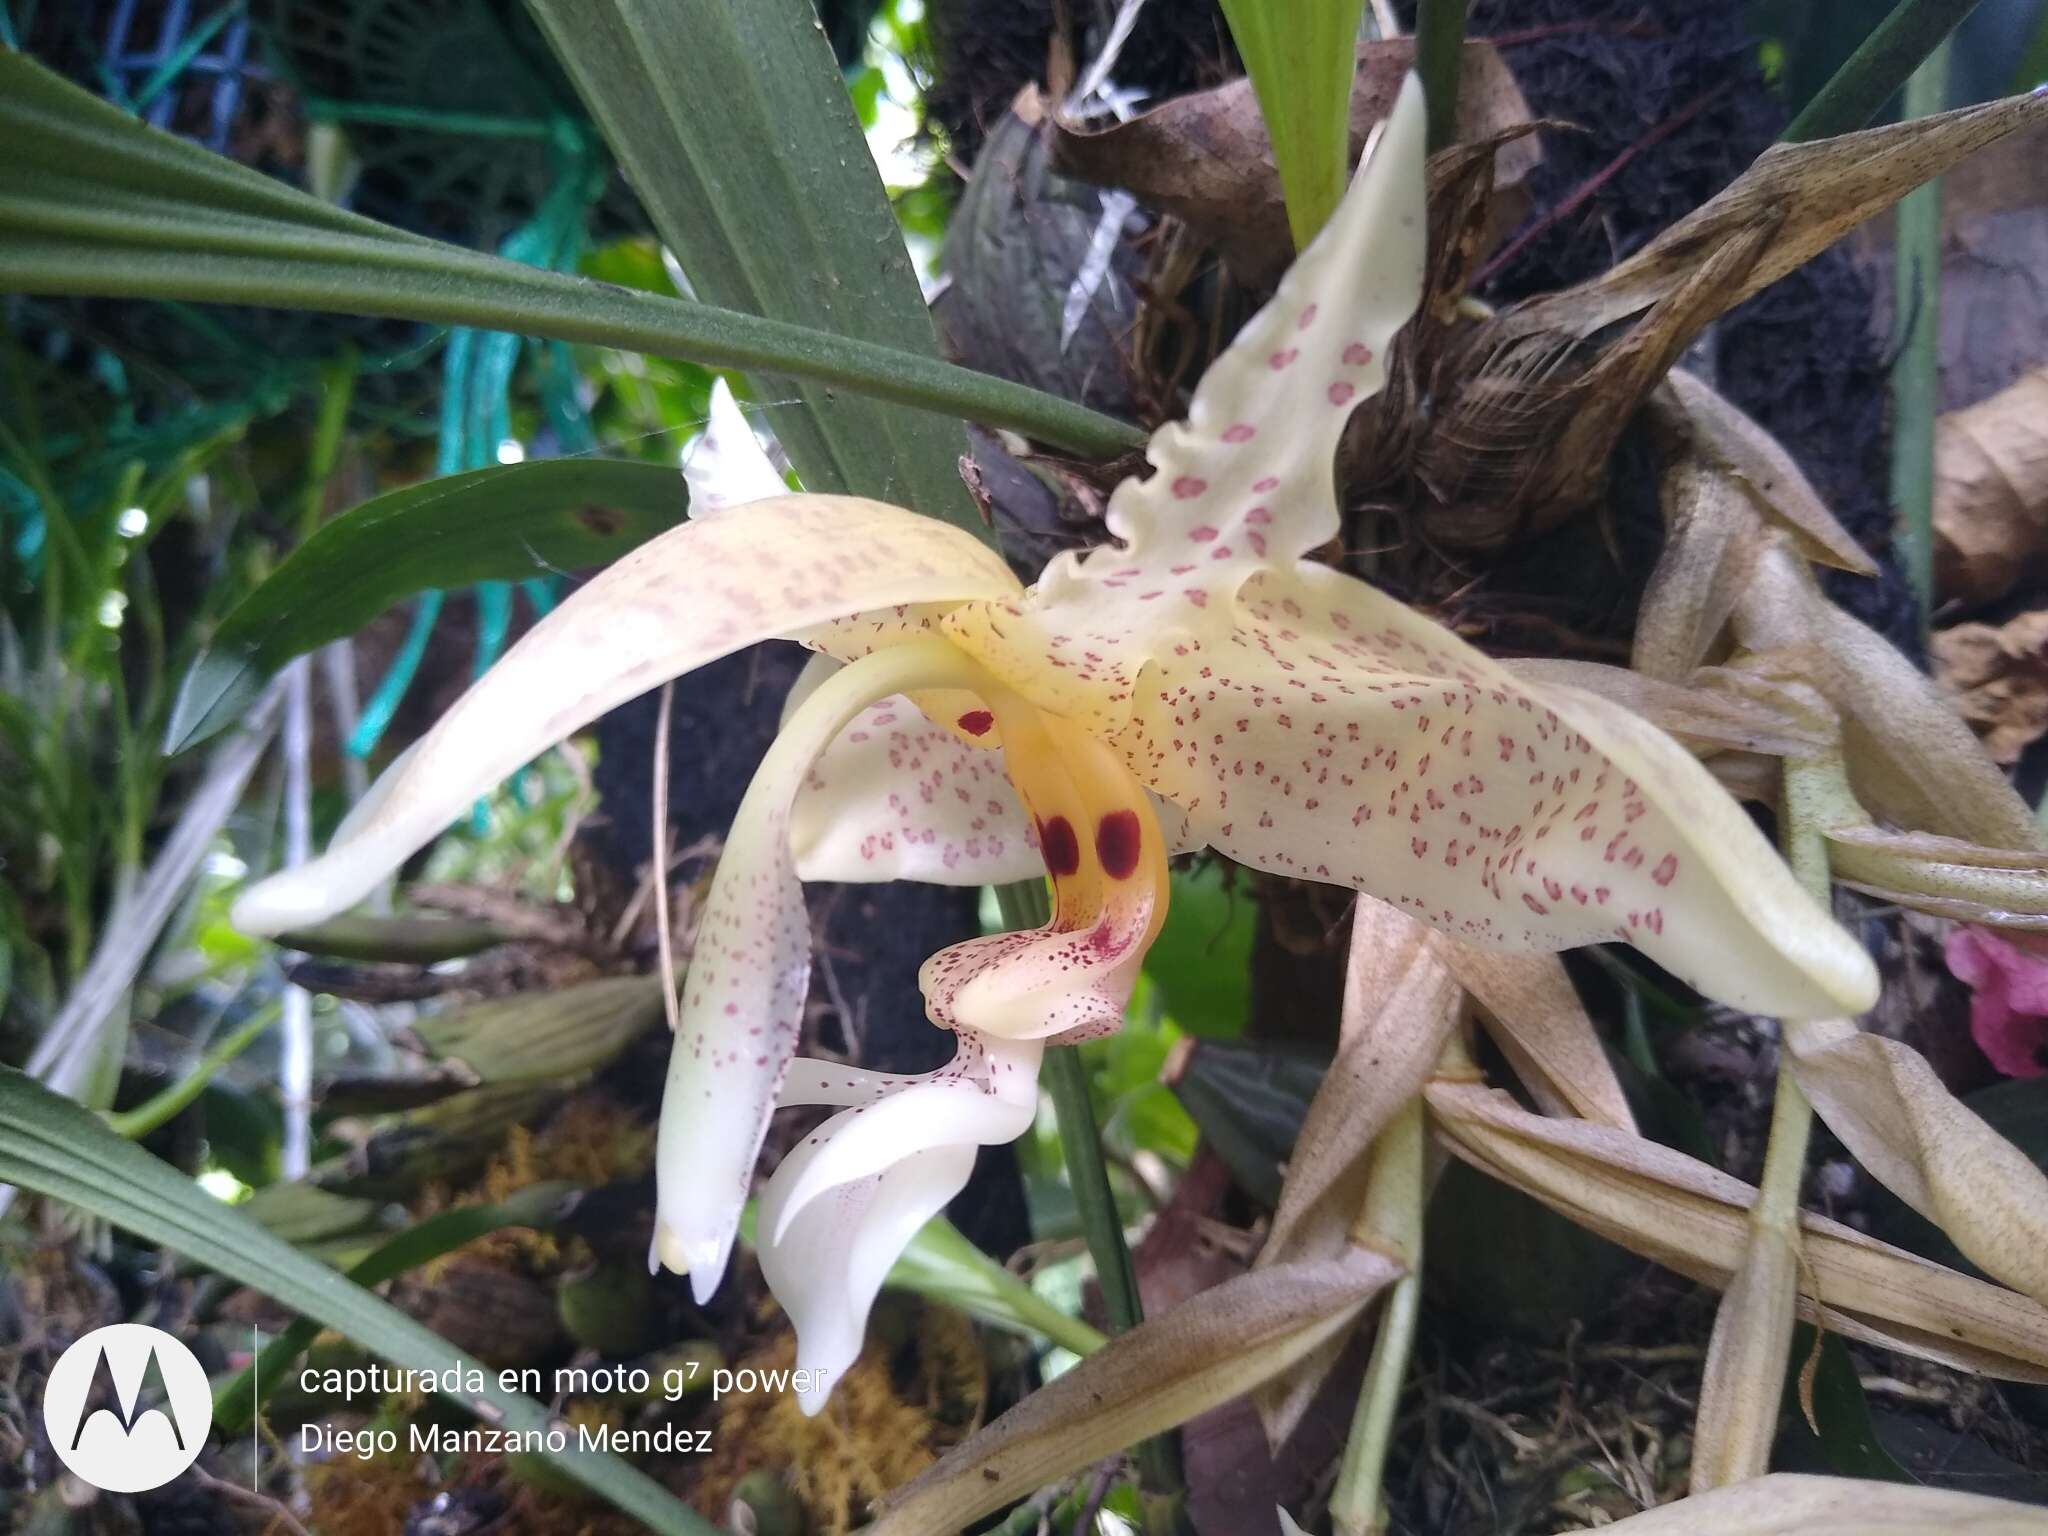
column 1911, row 758
column 1206, row 157
column 1998, row 676
column 1529, row 403
column 1694, row 1219
column 1991, row 491
column 1162, row 1373
column 1400, row 1002
column 1706, row 719
column 1802, row 197
column 1776, row 485
column 1799, row 1504
column 1709, row 542
column 1533, row 1012
column 1890, row 1110
column 1742, row 1383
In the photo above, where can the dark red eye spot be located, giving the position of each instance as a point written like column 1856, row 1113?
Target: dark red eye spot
column 1116, row 843
column 1060, row 848
column 976, row 722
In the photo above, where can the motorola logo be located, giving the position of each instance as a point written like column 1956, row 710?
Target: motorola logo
column 127, row 1408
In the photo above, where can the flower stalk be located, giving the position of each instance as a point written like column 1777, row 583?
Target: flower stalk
column 1752, row 1339
column 1023, row 905
column 1390, row 1223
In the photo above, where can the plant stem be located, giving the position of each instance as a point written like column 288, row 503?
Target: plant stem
column 1751, row 1344
column 1391, row 1222
column 1024, row 905
column 1916, row 376
column 1871, row 75
column 1066, row 1079
column 134, row 1124
column 1439, row 57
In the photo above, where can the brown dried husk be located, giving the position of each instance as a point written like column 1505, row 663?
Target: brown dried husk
column 1206, row 157
column 1991, row 492
column 1531, row 401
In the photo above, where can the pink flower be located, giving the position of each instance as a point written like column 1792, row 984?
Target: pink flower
column 2008, row 977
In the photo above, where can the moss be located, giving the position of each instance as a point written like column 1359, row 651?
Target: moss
column 919, row 1387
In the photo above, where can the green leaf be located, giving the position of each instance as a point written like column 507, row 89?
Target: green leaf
column 943, row 1265
column 1201, row 961
column 241, row 1398
column 1842, row 1436
column 772, row 205
column 1300, row 55
column 1249, row 1103
column 496, row 524
column 53, row 1147
column 411, row 939
column 93, row 202
column 545, row 1036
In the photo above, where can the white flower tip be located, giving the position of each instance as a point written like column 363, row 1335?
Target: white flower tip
column 281, row 903
column 703, row 1260
column 728, row 466
column 826, row 1348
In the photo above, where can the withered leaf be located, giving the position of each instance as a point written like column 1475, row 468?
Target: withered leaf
column 1802, row 197
column 1531, row 401
column 1694, row 1219
column 1991, row 492
column 1206, row 157
column 1169, row 1368
column 1800, row 1504
column 1998, row 676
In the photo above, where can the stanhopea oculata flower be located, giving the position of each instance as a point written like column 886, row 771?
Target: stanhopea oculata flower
column 1198, row 680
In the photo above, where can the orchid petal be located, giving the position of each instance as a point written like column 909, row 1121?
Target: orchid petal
column 728, row 467
column 1273, row 405
column 1324, row 731
column 2008, row 979
column 698, row 592
column 1247, row 480
column 897, row 797
column 828, row 1265
column 987, row 1096
column 1072, row 979
column 744, row 995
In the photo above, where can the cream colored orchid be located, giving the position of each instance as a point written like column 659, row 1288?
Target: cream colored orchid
column 979, row 731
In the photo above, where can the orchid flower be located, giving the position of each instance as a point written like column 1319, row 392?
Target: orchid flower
column 1201, row 679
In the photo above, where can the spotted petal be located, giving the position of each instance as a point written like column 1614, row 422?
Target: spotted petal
column 783, row 567
column 1247, row 480
column 1317, row 728
column 898, row 798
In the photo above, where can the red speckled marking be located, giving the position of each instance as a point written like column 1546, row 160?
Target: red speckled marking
column 977, row 722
